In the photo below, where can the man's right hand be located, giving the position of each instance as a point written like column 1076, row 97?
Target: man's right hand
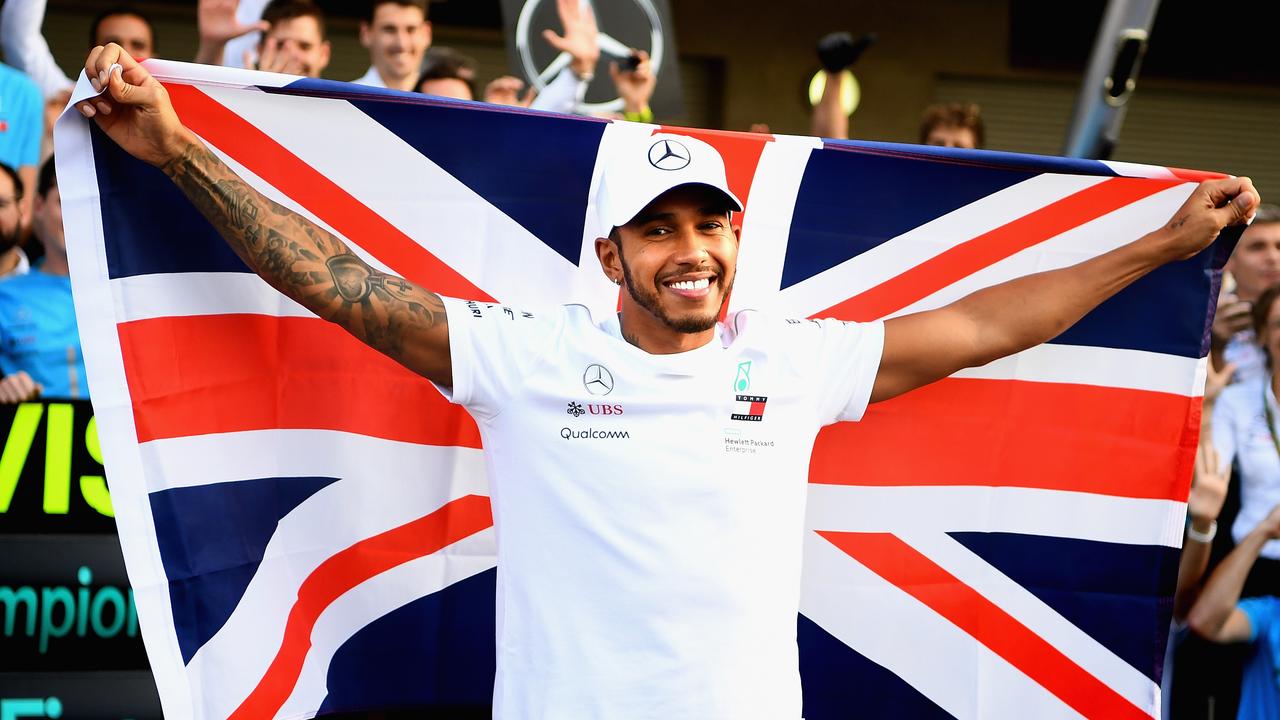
column 135, row 110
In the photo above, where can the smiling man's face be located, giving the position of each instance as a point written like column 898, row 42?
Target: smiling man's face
column 676, row 259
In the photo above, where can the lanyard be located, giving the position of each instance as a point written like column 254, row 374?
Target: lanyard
column 1271, row 419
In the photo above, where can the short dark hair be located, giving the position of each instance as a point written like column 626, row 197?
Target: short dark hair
column 965, row 115
column 119, row 10
column 48, row 178
column 17, row 181
column 281, row 10
column 1267, row 213
column 375, row 4
column 444, row 63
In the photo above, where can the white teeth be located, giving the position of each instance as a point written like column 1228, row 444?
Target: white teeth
column 702, row 284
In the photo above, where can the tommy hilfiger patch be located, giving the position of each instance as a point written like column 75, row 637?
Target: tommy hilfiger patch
column 749, row 408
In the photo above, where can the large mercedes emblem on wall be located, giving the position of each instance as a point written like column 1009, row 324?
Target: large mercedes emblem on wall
column 624, row 24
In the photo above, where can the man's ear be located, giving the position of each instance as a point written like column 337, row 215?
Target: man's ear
column 610, row 260
column 365, row 33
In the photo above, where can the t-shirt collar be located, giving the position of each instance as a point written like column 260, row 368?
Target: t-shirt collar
column 690, row 362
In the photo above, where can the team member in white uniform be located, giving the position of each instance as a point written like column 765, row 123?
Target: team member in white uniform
column 647, row 471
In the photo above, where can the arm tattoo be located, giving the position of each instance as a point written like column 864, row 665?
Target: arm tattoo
column 306, row 262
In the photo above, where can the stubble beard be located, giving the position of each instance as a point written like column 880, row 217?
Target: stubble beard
column 650, row 302
column 9, row 240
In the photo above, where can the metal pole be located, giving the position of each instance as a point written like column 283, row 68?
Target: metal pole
column 1110, row 78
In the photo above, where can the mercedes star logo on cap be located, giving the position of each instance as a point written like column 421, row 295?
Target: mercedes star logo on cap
column 669, row 155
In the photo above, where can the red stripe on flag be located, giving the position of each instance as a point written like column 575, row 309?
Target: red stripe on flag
column 289, row 174
column 915, row 574
column 1009, row 433
column 1196, row 175
column 340, row 573
column 991, row 247
column 226, row 373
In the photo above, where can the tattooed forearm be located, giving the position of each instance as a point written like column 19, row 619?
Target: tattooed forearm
column 314, row 267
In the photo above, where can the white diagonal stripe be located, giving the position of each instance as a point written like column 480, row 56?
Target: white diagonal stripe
column 1029, row 511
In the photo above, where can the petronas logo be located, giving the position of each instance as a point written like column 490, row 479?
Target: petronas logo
column 742, row 382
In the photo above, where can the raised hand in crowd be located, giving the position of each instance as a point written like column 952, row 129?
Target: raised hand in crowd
column 217, row 24
column 635, row 87
column 274, row 58
column 506, row 91
column 1233, row 316
column 1208, row 489
column 1208, row 492
column 581, row 39
column 18, row 387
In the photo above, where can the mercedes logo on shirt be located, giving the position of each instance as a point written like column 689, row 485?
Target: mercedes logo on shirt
column 597, row 380
column 669, row 155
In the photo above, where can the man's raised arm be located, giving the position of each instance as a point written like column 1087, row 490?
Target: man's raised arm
column 1013, row 316
column 297, row 257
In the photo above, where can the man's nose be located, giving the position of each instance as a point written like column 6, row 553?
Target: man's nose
column 691, row 247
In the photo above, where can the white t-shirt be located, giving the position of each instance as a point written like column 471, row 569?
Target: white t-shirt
column 370, row 78
column 1240, row 433
column 650, row 508
column 1243, row 350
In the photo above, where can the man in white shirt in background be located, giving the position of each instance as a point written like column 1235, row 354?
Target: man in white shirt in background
column 1254, row 266
column 397, row 35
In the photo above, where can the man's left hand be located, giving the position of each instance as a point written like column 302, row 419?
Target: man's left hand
column 1214, row 205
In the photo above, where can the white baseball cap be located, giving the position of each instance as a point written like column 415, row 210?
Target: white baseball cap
column 641, row 169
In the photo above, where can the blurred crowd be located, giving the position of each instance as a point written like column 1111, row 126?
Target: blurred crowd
column 1227, row 586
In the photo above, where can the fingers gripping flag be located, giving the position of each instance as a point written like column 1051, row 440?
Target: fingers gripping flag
column 306, row 523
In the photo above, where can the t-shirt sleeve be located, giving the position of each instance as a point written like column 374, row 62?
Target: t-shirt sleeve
column 1261, row 612
column 848, row 358
column 492, row 350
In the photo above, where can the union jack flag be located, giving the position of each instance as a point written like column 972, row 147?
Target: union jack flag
column 306, row 524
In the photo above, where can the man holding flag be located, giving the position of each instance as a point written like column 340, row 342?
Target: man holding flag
column 627, row 589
